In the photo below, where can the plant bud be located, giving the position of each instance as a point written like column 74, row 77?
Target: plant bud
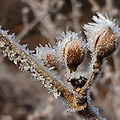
column 106, row 43
column 73, row 54
column 102, row 36
column 72, row 50
column 48, row 56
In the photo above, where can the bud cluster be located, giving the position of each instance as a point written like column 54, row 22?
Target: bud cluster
column 70, row 50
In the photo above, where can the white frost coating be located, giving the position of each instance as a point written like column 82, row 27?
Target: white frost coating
column 56, row 94
column 47, row 56
column 12, row 39
column 19, row 56
column 64, row 39
column 41, row 52
column 93, row 30
column 93, row 108
column 77, row 75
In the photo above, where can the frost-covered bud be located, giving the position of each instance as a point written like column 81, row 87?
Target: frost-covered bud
column 103, row 36
column 106, row 43
column 71, row 49
column 48, row 56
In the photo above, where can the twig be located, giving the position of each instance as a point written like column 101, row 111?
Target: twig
column 28, row 28
column 95, row 5
column 76, row 14
column 26, row 62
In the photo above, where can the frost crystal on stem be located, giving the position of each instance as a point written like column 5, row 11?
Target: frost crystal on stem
column 48, row 55
column 27, row 61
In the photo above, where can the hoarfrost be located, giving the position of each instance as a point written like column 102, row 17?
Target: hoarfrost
column 48, row 57
column 93, row 108
column 56, row 93
column 62, row 42
column 93, row 30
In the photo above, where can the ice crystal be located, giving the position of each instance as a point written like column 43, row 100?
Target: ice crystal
column 93, row 108
column 93, row 30
column 71, row 50
column 22, row 57
column 48, row 55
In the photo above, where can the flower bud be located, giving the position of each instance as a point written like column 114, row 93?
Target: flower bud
column 102, row 36
column 72, row 50
column 48, row 56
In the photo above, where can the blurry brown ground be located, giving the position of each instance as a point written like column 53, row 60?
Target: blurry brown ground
column 39, row 22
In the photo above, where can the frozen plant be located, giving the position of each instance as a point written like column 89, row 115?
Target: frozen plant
column 70, row 51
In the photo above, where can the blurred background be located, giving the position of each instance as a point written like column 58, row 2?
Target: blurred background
column 37, row 22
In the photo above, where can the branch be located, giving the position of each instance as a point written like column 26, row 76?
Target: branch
column 103, row 40
column 24, row 59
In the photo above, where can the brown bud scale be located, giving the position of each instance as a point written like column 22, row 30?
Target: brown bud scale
column 106, row 43
column 74, row 53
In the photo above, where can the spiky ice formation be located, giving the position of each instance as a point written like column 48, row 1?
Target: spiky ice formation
column 103, row 36
column 48, row 55
column 26, row 61
column 71, row 50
